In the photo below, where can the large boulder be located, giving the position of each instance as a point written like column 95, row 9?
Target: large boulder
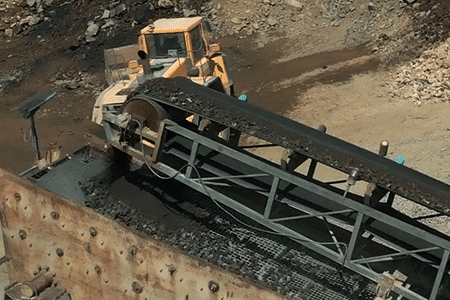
column 143, row 13
column 294, row 3
column 272, row 21
column 120, row 9
column 165, row 3
column 236, row 21
column 9, row 32
column 189, row 12
column 92, row 29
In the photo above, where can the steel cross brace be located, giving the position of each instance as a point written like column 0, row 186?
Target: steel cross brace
column 391, row 255
column 231, row 177
column 272, row 194
column 312, row 215
column 440, row 274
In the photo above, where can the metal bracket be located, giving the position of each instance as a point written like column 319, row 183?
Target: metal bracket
column 29, row 107
column 386, row 282
column 375, row 193
column 290, row 160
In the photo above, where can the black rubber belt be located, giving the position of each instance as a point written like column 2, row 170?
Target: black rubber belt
column 329, row 150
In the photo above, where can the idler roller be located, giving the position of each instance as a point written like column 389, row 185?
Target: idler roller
column 143, row 108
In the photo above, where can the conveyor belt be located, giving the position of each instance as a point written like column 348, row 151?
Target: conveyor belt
column 186, row 95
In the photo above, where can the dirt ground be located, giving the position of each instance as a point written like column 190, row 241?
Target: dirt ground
column 318, row 62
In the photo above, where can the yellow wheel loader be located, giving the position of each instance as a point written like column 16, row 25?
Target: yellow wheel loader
column 166, row 48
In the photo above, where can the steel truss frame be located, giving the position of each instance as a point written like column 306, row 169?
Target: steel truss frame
column 283, row 199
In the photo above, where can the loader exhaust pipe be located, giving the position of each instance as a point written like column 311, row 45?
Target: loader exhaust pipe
column 145, row 62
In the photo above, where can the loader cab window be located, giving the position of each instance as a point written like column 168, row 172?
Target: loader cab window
column 198, row 46
column 166, row 45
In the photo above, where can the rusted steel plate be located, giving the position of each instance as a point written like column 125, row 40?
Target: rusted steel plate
column 94, row 257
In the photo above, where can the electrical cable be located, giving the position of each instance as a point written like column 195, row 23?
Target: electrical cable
column 26, row 140
column 220, row 206
column 346, row 191
column 256, row 228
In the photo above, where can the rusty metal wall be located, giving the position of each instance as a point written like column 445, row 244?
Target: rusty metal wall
column 94, row 257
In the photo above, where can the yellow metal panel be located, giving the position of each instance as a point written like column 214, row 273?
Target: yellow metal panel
column 214, row 47
column 187, row 37
column 204, row 66
column 179, row 68
column 94, row 257
column 172, row 25
column 134, row 66
column 220, row 70
column 111, row 98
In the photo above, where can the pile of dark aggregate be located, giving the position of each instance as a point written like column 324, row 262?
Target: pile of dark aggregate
column 273, row 261
column 184, row 94
column 430, row 19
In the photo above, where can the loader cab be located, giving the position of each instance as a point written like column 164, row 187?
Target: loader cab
column 166, row 45
column 178, row 38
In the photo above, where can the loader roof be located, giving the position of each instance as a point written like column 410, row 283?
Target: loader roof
column 172, row 25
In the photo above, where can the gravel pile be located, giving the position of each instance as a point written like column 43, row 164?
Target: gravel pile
column 19, row 17
column 245, row 19
column 11, row 77
column 426, row 79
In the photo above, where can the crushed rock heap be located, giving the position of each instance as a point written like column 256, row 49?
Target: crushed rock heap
column 426, row 79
